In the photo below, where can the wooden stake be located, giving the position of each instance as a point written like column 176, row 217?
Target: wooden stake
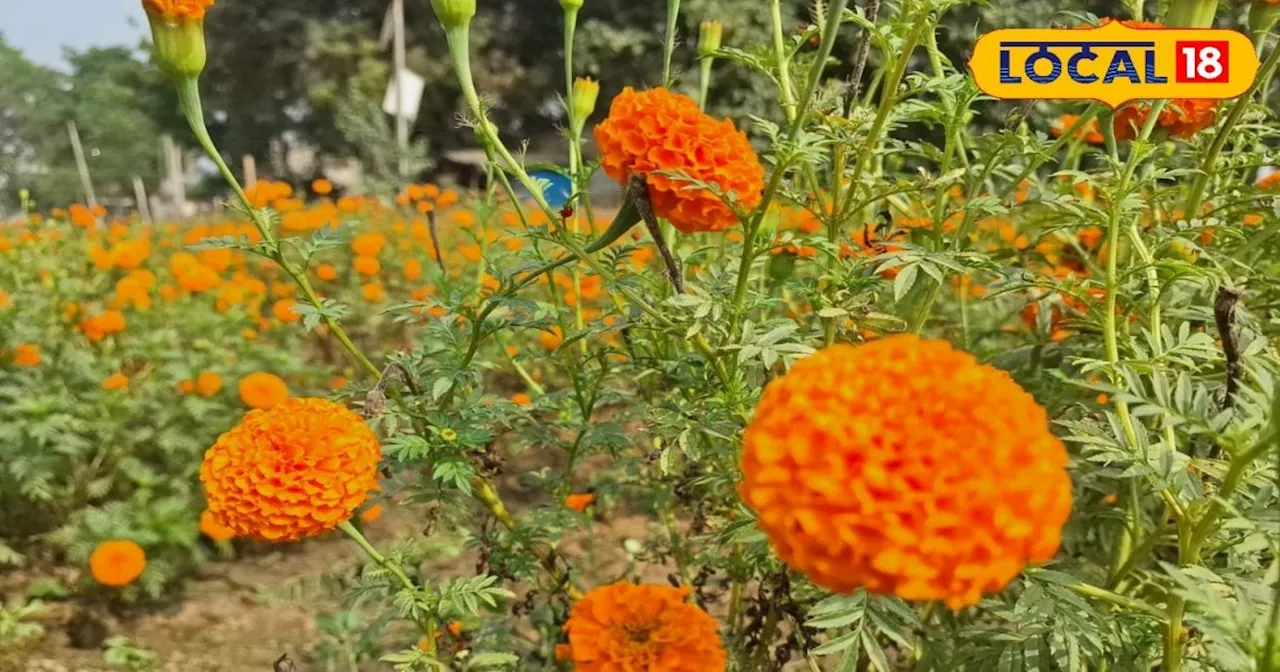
column 140, row 198
column 82, row 166
column 250, row 170
column 402, row 122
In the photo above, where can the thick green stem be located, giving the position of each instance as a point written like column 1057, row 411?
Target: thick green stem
column 783, row 63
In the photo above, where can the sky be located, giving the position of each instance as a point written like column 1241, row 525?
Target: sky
column 42, row 28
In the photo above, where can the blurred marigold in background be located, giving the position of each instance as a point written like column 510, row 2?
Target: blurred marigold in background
column 579, row 503
column 904, row 466
column 116, row 381
column 26, row 356
column 327, row 272
column 284, row 310
column 118, row 562
column 322, row 187
column 208, row 384
column 1089, row 132
column 641, row 628
column 1272, row 181
column 366, row 266
column 1180, row 118
column 262, row 390
column 210, row 527
column 657, row 130
column 294, row 471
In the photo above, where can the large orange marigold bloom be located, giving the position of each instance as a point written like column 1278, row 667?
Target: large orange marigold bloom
column 262, row 390
column 641, row 628
column 177, row 9
column 117, row 563
column 905, row 467
column 657, row 130
column 293, row 471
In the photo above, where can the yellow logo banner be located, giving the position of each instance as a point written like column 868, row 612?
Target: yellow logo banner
column 1113, row 64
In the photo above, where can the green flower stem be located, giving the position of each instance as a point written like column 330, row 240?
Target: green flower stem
column 1104, row 595
column 484, row 491
column 704, row 81
column 1201, row 183
column 784, row 63
column 189, row 101
column 829, row 33
column 428, row 626
column 673, row 18
column 575, row 158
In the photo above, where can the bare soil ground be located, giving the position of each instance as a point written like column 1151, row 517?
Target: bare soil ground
column 242, row 615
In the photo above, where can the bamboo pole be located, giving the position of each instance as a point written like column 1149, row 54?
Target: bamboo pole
column 402, row 122
column 82, row 166
column 140, row 198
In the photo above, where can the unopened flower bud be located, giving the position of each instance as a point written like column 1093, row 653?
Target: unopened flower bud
column 585, row 93
column 177, row 32
column 571, row 5
column 454, row 13
column 709, row 36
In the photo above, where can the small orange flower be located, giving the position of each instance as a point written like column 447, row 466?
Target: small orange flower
column 116, row 381
column 552, row 338
column 337, row 383
column 26, row 356
column 368, row 244
column 1088, row 133
column 1181, row 118
column 117, row 563
column 210, row 527
column 579, row 503
column 366, row 266
column 371, row 514
column 322, row 187
column 412, row 270
column 327, row 272
column 187, row 386
column 641, row 628
column 656, row 132
column 521, row 399
column 262, row 390
column 293, row 471
column 283, row 310
column 208, row 384
column 1271, row 182
column 905, row 467
column 372, row 292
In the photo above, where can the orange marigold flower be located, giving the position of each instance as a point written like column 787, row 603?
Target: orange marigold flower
column 371, row 514
column 26, row 355
column 210, row 527
column 372, row 292
column 337, row 383
column 904, row 466
column 368, row 244
column 521, row 399
column 366, row 266
column 412, row 269
column 1088, row 133
column 208, row 384
column 327, row 272
column 641, row 628
column 321, row 186
column 1181, row 118
column 552, row 338
column 262, row 390
column 657, row 130
column 293, row 471
column 1271, row 182
column 177, row 9
column 579, row 503
column 117, row 563
column 116, row 381
column 283, row 310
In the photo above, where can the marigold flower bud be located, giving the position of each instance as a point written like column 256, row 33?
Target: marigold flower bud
column 709, row 36
column 571, row 5
column 177, row 31
column 585, row 93
column 454, row 13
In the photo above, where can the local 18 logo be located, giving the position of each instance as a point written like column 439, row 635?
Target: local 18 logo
column 1113, row 63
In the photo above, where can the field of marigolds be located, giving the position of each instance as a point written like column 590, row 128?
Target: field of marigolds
column 895, row 377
